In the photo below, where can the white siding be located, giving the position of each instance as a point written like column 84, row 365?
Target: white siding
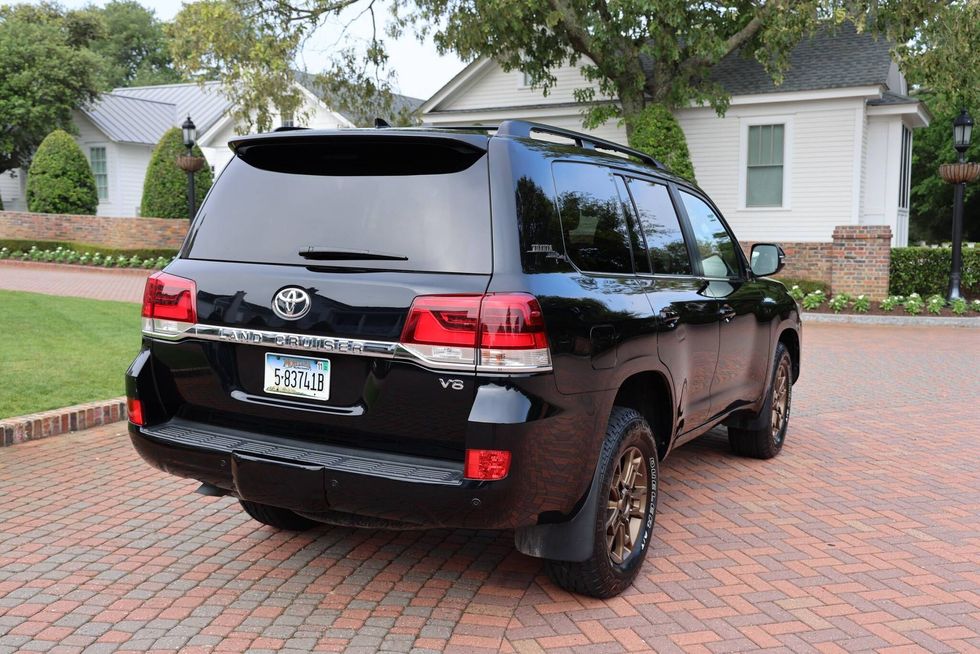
column 819, row 179
column 126, row 166
column 496, row 88
column 882, row 165
column 12, row 189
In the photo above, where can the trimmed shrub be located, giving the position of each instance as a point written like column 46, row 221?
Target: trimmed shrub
column 807, row 286
column 656, row 132
column 165, row 186
column 926, row 271
column 60, row 179
column 18, row 245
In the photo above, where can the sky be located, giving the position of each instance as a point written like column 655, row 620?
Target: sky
column 421, row 70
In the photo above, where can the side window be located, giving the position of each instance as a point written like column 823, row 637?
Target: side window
column 715, row 246
column 661, row 228
column 641, row 263
column 596, row 235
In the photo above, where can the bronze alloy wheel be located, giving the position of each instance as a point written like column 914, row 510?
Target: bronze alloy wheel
column 627, row 506
column 780, row 400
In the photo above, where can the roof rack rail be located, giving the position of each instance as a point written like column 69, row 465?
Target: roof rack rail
column 524, row 129
column 464, row 128
column 288, row 128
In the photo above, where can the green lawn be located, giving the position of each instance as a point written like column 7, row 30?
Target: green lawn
column 59, row 351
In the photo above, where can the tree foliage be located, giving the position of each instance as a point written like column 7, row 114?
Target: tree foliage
column 132, row 45
column 165, row 186
column 216, row 39
column 656, row 132
column 931, row 198
column 46, row 70
column 60, row 179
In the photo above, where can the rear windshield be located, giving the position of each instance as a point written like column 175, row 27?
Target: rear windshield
column 403, row 204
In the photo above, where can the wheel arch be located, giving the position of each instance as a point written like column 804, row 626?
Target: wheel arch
column 649, row 393
column 791, row 341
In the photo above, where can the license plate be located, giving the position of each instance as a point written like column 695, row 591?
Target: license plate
column 286, row 374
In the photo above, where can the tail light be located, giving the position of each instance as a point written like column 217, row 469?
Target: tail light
column 497, row 332
column 169, row 304
column 486, row 465
column 135, row 410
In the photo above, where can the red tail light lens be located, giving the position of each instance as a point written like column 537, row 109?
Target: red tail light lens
column 487, row 465
column 499, row 332
column 167, row 301
column 135, row 410
column 512, row 321
column 443, row 320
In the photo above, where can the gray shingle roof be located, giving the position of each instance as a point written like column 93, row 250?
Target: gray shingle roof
column 889, row 97
column 141, row 114
column 830, row 59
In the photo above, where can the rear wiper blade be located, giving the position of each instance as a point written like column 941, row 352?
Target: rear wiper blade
column 336, row 254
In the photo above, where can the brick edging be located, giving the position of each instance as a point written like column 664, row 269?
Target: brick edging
column 905, row 321
column 36, row 426
column 71, row 267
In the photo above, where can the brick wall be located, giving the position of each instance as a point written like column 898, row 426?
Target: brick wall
column 810, row 261
column 856, row 262
column 861, row 260
column 124, row 233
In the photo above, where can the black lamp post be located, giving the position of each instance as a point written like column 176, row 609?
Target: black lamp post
column 189, row 163
column 959, row 175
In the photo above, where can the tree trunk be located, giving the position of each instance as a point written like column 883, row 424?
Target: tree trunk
column 632, row 106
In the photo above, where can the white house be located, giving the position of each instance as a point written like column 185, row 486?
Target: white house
column 829, row 146
column 119, row 131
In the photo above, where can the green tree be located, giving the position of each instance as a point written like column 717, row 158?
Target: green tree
column 46, row 71
column 60, row 179
column 165, row 186
column 132, row 45
column 214, row 38
column 636, row 53
column 931, row 199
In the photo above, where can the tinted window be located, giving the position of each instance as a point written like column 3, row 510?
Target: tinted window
column 640, row 262
column 597, row 238
column 661, row 228
column 715, row 246
column 273, row 203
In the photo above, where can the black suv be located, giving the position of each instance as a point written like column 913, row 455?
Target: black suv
column 498, row 328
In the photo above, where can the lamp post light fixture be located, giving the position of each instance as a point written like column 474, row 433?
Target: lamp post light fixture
column 958, row 175
column 189, row 163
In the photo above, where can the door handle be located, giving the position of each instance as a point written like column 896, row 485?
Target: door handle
column 727, row 313
column 669, row 317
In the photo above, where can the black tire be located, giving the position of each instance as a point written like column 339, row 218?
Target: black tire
column 273, row 516
column 600, row 575
column 762, row 440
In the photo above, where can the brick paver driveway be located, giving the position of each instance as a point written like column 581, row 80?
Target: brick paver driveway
column 864, row 534
column 53, row 279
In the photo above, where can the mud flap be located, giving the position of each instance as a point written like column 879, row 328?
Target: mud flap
column 572, row 540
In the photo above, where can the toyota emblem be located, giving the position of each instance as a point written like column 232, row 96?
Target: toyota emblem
column 291, row 303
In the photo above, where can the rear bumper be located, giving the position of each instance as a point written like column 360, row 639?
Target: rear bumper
column 320, row 479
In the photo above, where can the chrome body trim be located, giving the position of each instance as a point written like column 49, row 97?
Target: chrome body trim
column 325, row 345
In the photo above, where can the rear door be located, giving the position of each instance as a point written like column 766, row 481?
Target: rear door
column 360, row 225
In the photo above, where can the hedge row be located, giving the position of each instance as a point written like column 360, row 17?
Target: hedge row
column 16, row 245
column 925, row 271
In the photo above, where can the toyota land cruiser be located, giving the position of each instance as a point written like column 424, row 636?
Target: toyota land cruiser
column 495, row 328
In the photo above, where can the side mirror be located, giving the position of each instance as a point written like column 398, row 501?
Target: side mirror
column 767, row 259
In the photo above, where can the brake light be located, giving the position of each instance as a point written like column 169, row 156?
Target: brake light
column 486, row 465
column 169, row 304
column 135, row 410
column 499, row 332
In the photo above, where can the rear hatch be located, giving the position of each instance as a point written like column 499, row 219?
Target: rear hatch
column 306, row 258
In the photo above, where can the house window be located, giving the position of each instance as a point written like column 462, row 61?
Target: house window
column 764, row 174
column 906, row 168
column 96, row 157
column 525, row 79
column 287, row 120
